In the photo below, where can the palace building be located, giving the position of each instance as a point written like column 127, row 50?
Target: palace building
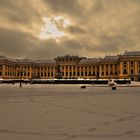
column 73, row 67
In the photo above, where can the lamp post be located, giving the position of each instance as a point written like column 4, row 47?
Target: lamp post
column 21, row 70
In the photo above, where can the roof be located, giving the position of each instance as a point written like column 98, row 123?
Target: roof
column 132, row 53
column 89, row 60
column 110, row 59
column 25, row 60
column 44, row 61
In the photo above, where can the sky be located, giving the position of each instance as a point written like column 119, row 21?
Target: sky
column 44, row 29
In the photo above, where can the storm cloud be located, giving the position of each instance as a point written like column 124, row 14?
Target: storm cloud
column 96, row 28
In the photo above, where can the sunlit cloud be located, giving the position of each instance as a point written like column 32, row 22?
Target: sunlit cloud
column 53, row 27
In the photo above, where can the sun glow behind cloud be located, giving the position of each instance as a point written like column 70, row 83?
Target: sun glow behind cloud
column 53, row 27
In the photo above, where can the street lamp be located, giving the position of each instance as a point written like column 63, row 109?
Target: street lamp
column 21, row 70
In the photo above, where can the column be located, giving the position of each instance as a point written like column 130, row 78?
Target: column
column 68, row 71
column 91, row 70
column 76, row 71
column 80, row 71
column 53, row 71
column 104, row 71
column 113, row 69
column 136, row 67
column 64, row 71
column 121, row 68
column 128, row 67
column 100, row 71
column 83, row 71
column 109, row 70
column 72, row 71
column 3, row 70
column 87, row 71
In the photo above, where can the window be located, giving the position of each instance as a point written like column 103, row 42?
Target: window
column 78, row 74
column 124, row 71
column 38, row 74
column 89, row 74
column 48, row 74
column 111, row 73
column 132, row 71
column 41, row 74
column 132, row 62
column 116, row 73
column 45, row 74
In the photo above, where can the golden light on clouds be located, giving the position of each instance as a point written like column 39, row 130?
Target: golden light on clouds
column 48, row 28
column 53, row 27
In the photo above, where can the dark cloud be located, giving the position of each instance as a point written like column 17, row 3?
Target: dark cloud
column 64, row 6
column 15, row 43
column 76, row 30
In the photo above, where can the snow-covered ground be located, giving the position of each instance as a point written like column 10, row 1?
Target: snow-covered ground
column 67, row 112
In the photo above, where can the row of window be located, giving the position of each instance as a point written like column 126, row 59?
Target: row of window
column 131, row 62
column 131, row 71
column 111, row 65
column 51, row 74
column 17, row 74
column 67, row 59
column 109, row 74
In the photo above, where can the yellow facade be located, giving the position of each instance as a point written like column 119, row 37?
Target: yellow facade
column 73, row 67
